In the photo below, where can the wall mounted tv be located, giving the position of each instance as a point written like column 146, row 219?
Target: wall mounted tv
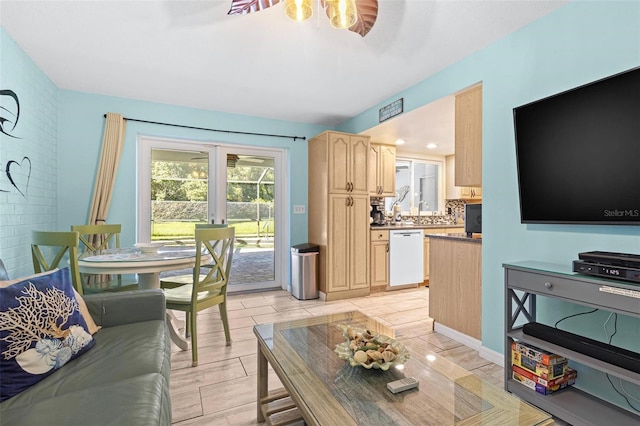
column 578, row 154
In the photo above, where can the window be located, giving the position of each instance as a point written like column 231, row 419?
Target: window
column 417, row 186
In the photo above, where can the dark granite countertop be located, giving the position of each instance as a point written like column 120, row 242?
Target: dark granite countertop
column 416, row 226
column 475, row 238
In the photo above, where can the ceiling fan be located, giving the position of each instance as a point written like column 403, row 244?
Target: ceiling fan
column 232, row 159
column 358, row 16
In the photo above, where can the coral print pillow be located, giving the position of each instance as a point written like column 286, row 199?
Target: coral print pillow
column 41, row 329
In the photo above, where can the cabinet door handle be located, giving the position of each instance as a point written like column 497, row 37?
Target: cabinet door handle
column 346, row 201
column 350, row 186
column 387, row 247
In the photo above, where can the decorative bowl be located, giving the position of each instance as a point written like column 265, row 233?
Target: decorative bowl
column 148, row 247
column 390, row 351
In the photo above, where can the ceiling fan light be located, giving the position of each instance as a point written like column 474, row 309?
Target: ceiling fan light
column 342, row 13
column 298, row 10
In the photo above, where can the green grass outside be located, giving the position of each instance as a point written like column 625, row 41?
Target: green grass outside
column 176, row 230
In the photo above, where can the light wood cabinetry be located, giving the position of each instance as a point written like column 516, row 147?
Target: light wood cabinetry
column 459, row 192
column 348, row 160
column 425, row 253
column 455, row 289
column 379, row 259
column 382, row 170
column 339, row 213
column 471, row 192
column 468, row 138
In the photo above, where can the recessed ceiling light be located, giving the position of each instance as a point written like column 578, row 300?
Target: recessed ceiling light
column 400, row 141
column 432, row 146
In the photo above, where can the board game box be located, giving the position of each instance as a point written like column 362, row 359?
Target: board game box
column 537, row 354
column 571, row 374
column 544, row 390
column 547, row 372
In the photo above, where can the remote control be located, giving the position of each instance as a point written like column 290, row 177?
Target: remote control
column 403, row 385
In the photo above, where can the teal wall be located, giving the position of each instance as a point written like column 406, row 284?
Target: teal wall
column 578, row 43
column 30, row 203
column 81, row 127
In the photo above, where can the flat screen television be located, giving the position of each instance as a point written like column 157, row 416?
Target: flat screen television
column 578, row 154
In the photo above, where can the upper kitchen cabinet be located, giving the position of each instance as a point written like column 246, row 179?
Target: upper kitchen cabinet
column 382, row 170
column 459, row 192
column 468, row 138
column 347, row 162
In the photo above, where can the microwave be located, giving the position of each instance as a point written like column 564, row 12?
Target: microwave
column 472, row 219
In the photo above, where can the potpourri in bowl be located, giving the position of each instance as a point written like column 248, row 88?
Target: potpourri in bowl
column 363, row 349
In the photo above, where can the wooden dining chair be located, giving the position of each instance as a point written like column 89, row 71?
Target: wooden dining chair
column 207, row 286
column 178, row 280
column 49, row 248
column 102, row 237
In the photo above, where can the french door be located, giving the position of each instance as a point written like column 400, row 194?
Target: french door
column 184, row 183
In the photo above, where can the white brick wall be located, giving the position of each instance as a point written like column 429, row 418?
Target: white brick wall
column 37, row 132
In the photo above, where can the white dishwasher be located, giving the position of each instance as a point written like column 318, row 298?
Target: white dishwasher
column 406, row 257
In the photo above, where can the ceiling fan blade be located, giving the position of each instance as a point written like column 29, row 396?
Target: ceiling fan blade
column 242, row 7
column 251, row 159
column 367, row 14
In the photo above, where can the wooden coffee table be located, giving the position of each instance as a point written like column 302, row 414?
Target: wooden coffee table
column 322, row 389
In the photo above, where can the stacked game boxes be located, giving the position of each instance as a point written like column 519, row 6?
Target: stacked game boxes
column 540, row 370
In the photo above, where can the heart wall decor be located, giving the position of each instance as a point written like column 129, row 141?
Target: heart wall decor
column 19, row 175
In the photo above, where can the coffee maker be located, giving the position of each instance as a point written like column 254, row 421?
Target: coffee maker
column 377, row 212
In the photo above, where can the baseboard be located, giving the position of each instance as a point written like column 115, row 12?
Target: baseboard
column 473, row 343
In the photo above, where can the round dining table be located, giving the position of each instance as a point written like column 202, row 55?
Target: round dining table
column 148, row 267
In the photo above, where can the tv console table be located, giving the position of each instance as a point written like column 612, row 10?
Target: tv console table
column 524, row 281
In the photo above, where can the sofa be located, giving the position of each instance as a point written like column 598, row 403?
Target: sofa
column 122, row 380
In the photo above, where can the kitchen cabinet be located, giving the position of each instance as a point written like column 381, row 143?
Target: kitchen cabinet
column 348, row 160
column 458, row 192
column 468, row 138
column 455, row 284
column 425, row 250
column 339, row 213
column 379, row 253
column 471, row 193
column 382, row 170
column 347, row 260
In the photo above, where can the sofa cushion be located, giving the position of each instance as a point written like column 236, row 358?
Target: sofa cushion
column 41, row 329
column 141, row 400
column 93, row 328
column 119, row 353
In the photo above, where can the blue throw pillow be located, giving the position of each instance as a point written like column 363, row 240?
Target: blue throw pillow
column 41, row 329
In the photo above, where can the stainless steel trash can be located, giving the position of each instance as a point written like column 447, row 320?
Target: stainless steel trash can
column 304, row 270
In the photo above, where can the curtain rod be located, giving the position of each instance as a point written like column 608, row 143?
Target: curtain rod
column 215, row 130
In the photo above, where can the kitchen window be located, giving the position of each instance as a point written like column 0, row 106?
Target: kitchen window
column 418, row 186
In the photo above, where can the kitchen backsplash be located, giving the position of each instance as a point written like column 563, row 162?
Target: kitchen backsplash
column 453, row 214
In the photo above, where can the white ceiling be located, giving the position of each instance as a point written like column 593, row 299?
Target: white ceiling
column 192, row 53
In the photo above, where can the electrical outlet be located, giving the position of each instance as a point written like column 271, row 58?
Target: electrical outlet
column 299, row 209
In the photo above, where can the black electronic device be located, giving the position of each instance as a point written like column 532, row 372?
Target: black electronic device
column 608, row 353
column 607, row 271
column 577, row 154
column 628, row 260
column 473, row 219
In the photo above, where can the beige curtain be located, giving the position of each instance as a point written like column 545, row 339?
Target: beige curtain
column 112, row 144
